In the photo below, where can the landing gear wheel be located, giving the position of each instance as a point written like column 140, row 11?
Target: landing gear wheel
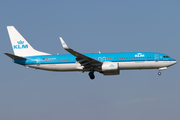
column 159, row 73
column 91, row 75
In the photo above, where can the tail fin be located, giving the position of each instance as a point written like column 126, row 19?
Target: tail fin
column 20, row 46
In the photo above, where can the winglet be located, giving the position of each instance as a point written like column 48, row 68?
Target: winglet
column 63, row 43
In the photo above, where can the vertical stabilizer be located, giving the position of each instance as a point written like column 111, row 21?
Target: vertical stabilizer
column 20, row 46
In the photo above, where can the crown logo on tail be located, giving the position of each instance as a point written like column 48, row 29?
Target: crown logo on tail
column 21, row 45
column 20, row 42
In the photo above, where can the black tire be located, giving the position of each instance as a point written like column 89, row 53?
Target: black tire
column 159, row 73
column 91, row 75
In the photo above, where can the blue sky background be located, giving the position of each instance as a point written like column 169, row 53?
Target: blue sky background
column 89, row 27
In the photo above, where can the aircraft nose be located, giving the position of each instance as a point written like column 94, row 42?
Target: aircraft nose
column 173, row 62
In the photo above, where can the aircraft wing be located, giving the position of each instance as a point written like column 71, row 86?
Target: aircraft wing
column 82, row 59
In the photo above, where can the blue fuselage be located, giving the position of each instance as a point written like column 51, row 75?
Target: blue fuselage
column 103, row 57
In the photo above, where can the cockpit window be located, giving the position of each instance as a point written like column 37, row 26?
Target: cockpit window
column 166, row 57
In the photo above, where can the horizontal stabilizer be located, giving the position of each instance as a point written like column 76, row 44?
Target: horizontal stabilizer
column 14, row 56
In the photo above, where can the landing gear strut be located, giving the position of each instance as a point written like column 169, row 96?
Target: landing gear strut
column 159, row 73
column 91, row 74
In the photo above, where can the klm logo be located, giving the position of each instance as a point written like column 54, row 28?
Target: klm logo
column 111, row 65
column 20, row 45
column 139, row 55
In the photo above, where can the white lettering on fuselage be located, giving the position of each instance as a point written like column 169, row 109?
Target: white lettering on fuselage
column 139, row 55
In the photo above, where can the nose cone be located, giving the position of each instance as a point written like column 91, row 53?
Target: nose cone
column 173, row 62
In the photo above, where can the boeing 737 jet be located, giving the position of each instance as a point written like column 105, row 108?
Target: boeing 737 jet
column 105, row 63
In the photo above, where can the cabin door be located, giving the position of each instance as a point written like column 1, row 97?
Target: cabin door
column 156, row 57
column 38, row 61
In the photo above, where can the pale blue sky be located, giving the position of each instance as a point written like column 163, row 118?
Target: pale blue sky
column 89, row 27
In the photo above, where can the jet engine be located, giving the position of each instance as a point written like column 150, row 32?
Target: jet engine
column 110, row 68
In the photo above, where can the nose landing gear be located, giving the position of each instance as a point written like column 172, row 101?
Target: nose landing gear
column 159, row 73
column 163, row 68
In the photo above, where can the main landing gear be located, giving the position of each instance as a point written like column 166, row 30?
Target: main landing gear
column 91, row 74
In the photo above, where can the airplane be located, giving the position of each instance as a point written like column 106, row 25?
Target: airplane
column 105, row 63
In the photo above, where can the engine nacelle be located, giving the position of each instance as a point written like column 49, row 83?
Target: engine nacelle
column 110, row 68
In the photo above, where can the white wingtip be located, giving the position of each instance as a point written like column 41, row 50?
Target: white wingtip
column 63, row 43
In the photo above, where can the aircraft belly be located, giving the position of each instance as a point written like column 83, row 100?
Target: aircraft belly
column 122, row 66
column 67, row 67
column 56, row 67
column 50, row 67
column 143, row 65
